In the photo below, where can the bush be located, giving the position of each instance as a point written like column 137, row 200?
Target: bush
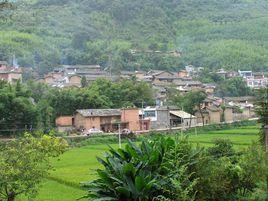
column 142, row 173
column 161, row 168
column 222, row 147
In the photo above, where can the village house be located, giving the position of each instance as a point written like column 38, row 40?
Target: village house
column 243, row 106
column 211, row 115
column 162, row 76
column 60, row 80
column 211, row 101
column 232, row 74
column 71, row 75
column 75, row 80
column 167, row 117
column 257, row 81
column 179, row 118
column 191, row 70
column 80, row 69
column 140, row 75
column 228, row 114
column 221, row 72
column 10, row 74
column 127, row 74
column 183, row 74
column 3, row 64
column 209, row 88
column 107, row 120
column 64, row 123
column 191, row 84
column 240, row 101
column 245, row 74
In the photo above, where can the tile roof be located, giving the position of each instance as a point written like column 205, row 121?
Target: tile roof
column 188, row 82
column 214, row 109
column 99, row 112
column 3, row 62
column 242, row 98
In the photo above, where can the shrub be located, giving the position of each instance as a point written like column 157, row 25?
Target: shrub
column 222, row 147
column 161, row 168
column 142, row 172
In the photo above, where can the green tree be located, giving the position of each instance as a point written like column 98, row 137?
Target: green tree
column 45, row 115
column 233, row 87
column 18, row 112
column 262, row 110
column 24, row 163
column 84, row 81
column 189, row 102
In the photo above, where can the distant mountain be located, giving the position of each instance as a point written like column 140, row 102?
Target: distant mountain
column 229, row 33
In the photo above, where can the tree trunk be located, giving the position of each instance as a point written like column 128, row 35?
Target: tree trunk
column 11, row 196
column 190, row 121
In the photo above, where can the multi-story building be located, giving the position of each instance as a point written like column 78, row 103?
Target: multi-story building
column 107, row 120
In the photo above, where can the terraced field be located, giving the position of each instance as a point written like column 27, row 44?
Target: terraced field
column 78, row 164
column 241, row 137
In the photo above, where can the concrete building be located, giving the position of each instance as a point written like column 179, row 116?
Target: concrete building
column 257, row 82
column 245, row 74
column 167, row 117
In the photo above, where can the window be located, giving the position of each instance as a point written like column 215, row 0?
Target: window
column 149, row 113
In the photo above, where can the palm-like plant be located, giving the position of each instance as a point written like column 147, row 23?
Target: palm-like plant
column 140, row 173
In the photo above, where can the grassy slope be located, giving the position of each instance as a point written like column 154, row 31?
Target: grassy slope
column 77, row 165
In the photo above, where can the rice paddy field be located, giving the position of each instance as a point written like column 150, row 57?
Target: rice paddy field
column 78, row 164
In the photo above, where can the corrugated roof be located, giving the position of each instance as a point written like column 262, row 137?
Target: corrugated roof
column 99, row 112
column 182, row 114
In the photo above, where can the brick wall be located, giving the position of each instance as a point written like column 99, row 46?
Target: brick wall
column 131, row 116
column 64, row 121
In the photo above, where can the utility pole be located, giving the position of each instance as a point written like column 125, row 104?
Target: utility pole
column 182, row 123
column 169, row 123
column 142, row 115
column 119, row 135
column 182, row 126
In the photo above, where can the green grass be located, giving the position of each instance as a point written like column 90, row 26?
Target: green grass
column 241, row 137
column 79, row 164
column 55, row 191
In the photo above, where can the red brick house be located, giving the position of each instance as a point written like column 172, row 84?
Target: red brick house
column 107, row 120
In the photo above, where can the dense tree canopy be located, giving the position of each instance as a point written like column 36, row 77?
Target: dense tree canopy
column 215, row 34
column 233, row 87
column 35, row 106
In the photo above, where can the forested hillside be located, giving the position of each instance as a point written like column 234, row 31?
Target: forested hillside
column 229, row 33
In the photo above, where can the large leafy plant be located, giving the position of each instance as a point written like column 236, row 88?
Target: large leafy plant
column 145, row 172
